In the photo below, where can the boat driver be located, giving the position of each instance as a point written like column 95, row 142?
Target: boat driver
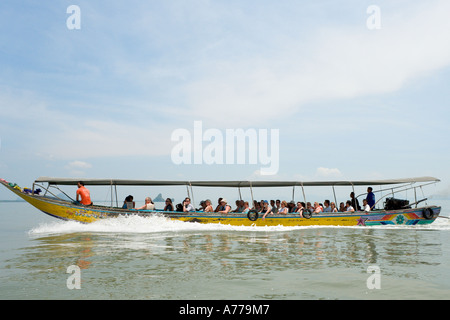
column 84, row 194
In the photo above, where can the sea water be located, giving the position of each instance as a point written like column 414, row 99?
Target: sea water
column 157, row 258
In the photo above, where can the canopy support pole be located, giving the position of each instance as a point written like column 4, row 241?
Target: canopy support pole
column 251, row 192
column 334, row 193
column 303, row 191
column 192, row 194
column 117, row 201
column 112, row 194
column 188, row 194
column 415, row 196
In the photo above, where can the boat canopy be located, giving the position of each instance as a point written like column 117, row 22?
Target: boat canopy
column 235, row 184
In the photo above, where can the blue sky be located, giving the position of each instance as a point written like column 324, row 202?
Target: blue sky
column 103, row 101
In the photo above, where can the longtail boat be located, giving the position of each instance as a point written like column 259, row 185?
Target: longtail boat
column 405, row 214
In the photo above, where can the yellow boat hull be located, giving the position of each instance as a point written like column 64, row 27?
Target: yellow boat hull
column 275, row 220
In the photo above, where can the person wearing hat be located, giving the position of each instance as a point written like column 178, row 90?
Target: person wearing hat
column 291, row 206
column 224, row 207
column 266, row 209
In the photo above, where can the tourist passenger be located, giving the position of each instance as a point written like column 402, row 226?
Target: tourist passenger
column 218, row 206
column 246, row 207
column 370, row 197
column 128, row 203
column 209, row 207
column 277, row 207
column 187, row 205
column 84, row 194
column 202, row 205
column 239, row 206
column 355, row 202
column 274, row 208
column 300, row 208
column 341, row 207
column 257, row 206
column 266, row 209
column 309, row 207
column 284, row 208
column 266, row 206
column 366, row 207
column 291, row 206
column 317, row 208
column 149, row 205
column 333, row 207
column 169, row 205
column 224, row 207
column 288, row 206
column 348, row 207
column 327, row 206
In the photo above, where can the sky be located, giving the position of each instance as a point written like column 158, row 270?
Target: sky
column 102, row 91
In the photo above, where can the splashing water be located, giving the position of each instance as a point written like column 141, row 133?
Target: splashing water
column 155, row 224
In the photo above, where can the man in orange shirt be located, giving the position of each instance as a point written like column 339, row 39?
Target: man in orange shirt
column 84, row 193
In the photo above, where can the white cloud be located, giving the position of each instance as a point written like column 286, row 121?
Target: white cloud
column 79, row 165
column 95, row 138
column 60, row 134
column 77, row 168
column 336, row 62
column 236, row 68
column 258, row 175
column 328, row 172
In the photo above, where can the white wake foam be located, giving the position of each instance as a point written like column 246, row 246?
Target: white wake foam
column 137, row 224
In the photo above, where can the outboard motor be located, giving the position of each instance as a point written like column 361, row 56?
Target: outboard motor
column 396, row 204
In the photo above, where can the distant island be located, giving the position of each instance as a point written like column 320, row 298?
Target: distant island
column 159, row 198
